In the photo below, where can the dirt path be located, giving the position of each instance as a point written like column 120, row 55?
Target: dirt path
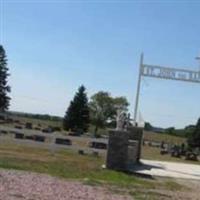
column 20, row 185
column 16, row 185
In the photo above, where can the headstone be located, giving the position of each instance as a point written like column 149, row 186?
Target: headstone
column 63, row 141
column 98, row 145
column 4, row 132
column 18, row 127
column 136, row 133
column 39, row 138
column 29, row 137
column 28, row 125
column 191, row 156
column 124, row 148
column 19, row 135
column 117, row 150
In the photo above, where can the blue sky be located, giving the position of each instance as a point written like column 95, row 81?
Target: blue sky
column 55, row 46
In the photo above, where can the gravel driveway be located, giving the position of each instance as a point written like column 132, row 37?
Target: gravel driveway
column 16, row 185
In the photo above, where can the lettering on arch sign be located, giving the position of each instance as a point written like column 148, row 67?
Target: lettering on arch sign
column 170, row 73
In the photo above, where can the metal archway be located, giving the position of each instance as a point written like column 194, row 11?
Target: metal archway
column 161, row 72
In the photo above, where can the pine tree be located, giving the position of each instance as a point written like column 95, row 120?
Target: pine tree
column 77, row 115
column 4, row 88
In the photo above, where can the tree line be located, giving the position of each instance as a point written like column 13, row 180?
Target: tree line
column 101, row 108
column 191, row 132
column 100, row 111
column 35, row 116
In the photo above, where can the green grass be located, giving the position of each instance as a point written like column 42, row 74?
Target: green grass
column 101, row 131
column 69, row 165
column 35, row 122
column 159, row 137
column 153, row 153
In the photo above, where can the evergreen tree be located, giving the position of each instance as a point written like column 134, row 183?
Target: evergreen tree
column 194, row 138
column 77, row 115
column 4, row 88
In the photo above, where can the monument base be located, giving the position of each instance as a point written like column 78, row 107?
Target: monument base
column 124, row 149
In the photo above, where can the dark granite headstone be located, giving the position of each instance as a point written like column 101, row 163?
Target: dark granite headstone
column 39, row 138
column 117, row 150
column 124, row 149
column 19, row 135
column 63, row 141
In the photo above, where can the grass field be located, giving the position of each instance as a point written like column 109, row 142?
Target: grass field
column 152, row 153
column 70, row 165
column 159, row 137
column 148, row 152
column 35, row 122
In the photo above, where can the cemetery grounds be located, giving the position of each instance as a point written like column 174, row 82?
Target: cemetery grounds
column 66, row 164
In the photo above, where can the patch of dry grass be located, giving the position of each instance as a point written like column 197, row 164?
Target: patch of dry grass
column 153, row 153
column 159, row 137
column 69, row 165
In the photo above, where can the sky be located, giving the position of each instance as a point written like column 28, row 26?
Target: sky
column 55, row 46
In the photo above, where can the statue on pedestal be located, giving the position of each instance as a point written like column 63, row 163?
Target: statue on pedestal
column 122, row 120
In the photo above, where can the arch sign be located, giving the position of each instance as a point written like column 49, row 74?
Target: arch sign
column 170, row 73
column 155, row 71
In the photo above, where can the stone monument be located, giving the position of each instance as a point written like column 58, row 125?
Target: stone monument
column 124, row 145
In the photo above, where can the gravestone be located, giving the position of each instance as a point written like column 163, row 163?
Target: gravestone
column 117, row 150
column 124, row 149
column 39, row 138
column 98, row 145
column 63, row 141
column 136, row 134
column 19, row 135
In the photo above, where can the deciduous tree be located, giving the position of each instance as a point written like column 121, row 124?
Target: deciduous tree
column 103, row 107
